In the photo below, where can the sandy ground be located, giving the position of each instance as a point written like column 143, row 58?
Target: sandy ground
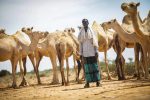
column 130, row 89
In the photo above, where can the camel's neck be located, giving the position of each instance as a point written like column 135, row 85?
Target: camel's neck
column 27, row 48
column 123, row 34
column 74, row 39
column 136, row 26
column 33, row 45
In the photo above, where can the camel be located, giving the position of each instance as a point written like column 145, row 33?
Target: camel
column 48, row 48
column 11, row 48
column 127, row 25
column 120, row 45
column 123, row 34
column 105, row 41
column 67, row 45
column 142, row 32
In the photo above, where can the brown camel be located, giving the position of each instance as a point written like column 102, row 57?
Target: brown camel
column 142, row 32
column 119, row 46
column 48, row 47
column 127, row 25
column 105, row 41
column 11, row 48
column 67, row 45
column 124, row 35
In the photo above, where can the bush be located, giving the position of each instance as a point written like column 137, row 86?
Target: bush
column 4, row 73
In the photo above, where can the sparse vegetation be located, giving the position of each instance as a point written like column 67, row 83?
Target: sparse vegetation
column 4, row 73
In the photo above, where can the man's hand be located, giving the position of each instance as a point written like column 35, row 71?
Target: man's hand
column 96, row 54
column 81, row 57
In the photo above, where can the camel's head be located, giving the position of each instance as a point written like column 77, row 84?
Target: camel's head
column 69, row 30
column 34, row 36
column 27, row 30
column 2, row 31
column 109, row 24
column 130, row 8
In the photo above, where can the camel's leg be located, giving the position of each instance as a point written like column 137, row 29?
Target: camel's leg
column 118, row 67
column 24, row 60
column 24, row 82
column 79, row 69
column 62, row 71
column 25, row 70
column 122, row 63
column 136, row 52
column 14, row 61
column 21, row 67
column 99, row 68
column 62, row 49
column 31, row 56
column 22, row 72
column 106, row 62
column 141, row 63
column 75, row 67
column 67, row 67
column 145, row 63
column 54, row 65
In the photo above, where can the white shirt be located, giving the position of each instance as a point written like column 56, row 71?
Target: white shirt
column 87, row 48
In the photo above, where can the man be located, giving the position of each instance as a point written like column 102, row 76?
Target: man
column 89, row 53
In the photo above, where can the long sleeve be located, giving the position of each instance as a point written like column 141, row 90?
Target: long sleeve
column 80, row 48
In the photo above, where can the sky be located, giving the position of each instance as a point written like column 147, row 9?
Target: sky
column 50, row 15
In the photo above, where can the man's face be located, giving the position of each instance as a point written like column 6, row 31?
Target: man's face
column 85, row 24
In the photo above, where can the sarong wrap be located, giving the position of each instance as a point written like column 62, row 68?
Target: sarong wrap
column 91, row 69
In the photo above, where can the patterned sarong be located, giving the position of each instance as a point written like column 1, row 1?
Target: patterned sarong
column 91, row 69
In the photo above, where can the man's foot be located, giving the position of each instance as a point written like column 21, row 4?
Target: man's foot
column 98, row 84
column 87, row 85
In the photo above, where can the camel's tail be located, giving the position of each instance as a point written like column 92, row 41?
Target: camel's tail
column 58, row 52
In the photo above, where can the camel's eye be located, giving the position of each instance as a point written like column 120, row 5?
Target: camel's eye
column 28, row 29
column 131, row 5
column 109, row 22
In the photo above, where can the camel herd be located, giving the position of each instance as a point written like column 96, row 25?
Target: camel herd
column 132, row 33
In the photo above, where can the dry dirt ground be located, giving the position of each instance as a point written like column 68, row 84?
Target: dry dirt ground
column 130, row 89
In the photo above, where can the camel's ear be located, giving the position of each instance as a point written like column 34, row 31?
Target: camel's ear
column 22, row 29
column 2, row 30
column 31, row 28
column 114, row 20
column 149, row 13
column 138, row 4
column 109, row 22
column 73, row 30
column 46, row 33
column 69, row 30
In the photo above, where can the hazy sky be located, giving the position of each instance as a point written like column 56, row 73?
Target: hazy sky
column 50, row 15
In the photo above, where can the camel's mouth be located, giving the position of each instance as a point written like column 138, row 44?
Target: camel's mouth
column 123, row 6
